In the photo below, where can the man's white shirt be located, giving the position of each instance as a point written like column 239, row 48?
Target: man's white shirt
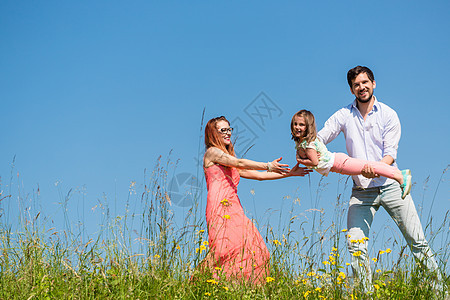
column 369, row 139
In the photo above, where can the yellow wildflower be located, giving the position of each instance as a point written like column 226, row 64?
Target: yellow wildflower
column 366, row 238
column 318, row 289
column 201, row 249
column 347, row 264
column 374, row 259
column 225, row 202
column 205, row 243
column 225, row 288
column 341, row 277
column 212, row 281
column 353, row 241
column 226, row 217
column 207, row 294
column 378, row 271
column 311, row 274
column 357, row 253
column 381, row 251
column 376, row 286
column 269, row 279
column 276, row 242
column 178, row 247
column 388, row 250
column 305, row 294
column 326, row 262
column 344, row 230
column 157, row 256
column 334, row 249
column 218, row 268
column 353, row 297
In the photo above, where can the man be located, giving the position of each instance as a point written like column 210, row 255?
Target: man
column 372, row 132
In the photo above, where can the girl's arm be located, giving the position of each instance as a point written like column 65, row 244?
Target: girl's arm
column 296, row 171
column 311, row 160
column 215, row 155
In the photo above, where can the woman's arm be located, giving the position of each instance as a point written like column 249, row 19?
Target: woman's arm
column 215, row 155
column 311, row 160
column 251, row 174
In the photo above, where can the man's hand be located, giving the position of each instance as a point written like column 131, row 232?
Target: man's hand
column 368, row 172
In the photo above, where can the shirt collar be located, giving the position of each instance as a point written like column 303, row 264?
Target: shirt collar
column 376, row 105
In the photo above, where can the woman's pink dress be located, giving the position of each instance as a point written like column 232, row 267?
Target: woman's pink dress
column 236, row 246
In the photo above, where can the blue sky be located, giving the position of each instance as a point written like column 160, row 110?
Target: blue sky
column 92, row 93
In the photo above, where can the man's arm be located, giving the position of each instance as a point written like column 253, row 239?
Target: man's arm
column 333, row 126
column 391, row 138
column 388, row 160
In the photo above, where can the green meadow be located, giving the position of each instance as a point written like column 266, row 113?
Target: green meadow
column 145, row 254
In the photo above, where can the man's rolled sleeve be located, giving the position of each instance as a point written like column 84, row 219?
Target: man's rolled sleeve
column 331, row 129
column 391, row 135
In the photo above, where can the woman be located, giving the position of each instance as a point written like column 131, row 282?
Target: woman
column 237, row 249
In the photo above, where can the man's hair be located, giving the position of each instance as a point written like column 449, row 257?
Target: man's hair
column 353, row 73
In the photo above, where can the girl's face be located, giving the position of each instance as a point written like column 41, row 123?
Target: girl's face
column 299, row 127
column 224, row 131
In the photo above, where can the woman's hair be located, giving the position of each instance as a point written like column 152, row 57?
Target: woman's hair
column 214, row 139
column 310, row 122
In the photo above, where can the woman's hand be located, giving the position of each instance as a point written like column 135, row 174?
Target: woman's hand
column 276, row 167
column 299, row 171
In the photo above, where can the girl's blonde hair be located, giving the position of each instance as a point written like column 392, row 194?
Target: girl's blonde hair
column 310, row 122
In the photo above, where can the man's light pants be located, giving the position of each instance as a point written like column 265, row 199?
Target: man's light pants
column 363, row 205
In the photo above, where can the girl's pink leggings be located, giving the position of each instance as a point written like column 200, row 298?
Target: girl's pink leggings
column 346, row 165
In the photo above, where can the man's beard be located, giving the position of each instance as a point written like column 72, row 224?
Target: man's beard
column 364, row 101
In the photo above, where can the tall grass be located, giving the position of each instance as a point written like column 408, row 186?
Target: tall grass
column 144, row 254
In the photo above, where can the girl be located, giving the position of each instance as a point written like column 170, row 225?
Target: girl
column 237, row 249
column 312, row 153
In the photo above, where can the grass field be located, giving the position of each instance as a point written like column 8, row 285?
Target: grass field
column 38, row 261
